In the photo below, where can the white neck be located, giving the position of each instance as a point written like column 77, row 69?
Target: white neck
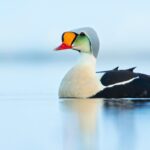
column 87, row 58
column 81, row 81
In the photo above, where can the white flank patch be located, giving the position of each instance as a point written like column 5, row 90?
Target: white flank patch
column 123, row 83
column 119, row 83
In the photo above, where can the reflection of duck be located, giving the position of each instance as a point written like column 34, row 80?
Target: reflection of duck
column 81, row 81
column 81, row 132
column 120, row 125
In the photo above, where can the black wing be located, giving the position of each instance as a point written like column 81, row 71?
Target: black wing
column 139, row 87
column 115, row 76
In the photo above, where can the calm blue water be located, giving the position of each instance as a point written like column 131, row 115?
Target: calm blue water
column 33, row 118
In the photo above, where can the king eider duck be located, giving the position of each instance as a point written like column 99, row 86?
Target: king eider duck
column 82, row 81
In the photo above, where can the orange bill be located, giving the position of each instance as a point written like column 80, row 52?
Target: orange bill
column 67, row 40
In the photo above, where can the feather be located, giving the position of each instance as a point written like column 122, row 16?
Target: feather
column 131, row 69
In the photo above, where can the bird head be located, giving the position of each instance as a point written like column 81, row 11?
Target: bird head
column 84, row 40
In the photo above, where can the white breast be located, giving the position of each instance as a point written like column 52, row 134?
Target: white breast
column 81, row 81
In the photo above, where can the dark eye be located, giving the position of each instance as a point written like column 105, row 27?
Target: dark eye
column 82, row 34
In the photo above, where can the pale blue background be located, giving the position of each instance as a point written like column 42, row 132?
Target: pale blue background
column 123, row 26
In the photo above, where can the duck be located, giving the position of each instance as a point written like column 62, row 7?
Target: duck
column 82, row 80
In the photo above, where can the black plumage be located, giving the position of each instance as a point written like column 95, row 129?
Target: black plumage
column 124, row 84
column 115, row 76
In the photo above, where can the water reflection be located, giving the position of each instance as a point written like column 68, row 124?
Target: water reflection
column 120, row 125
column 102, row 124
column 80, row 124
